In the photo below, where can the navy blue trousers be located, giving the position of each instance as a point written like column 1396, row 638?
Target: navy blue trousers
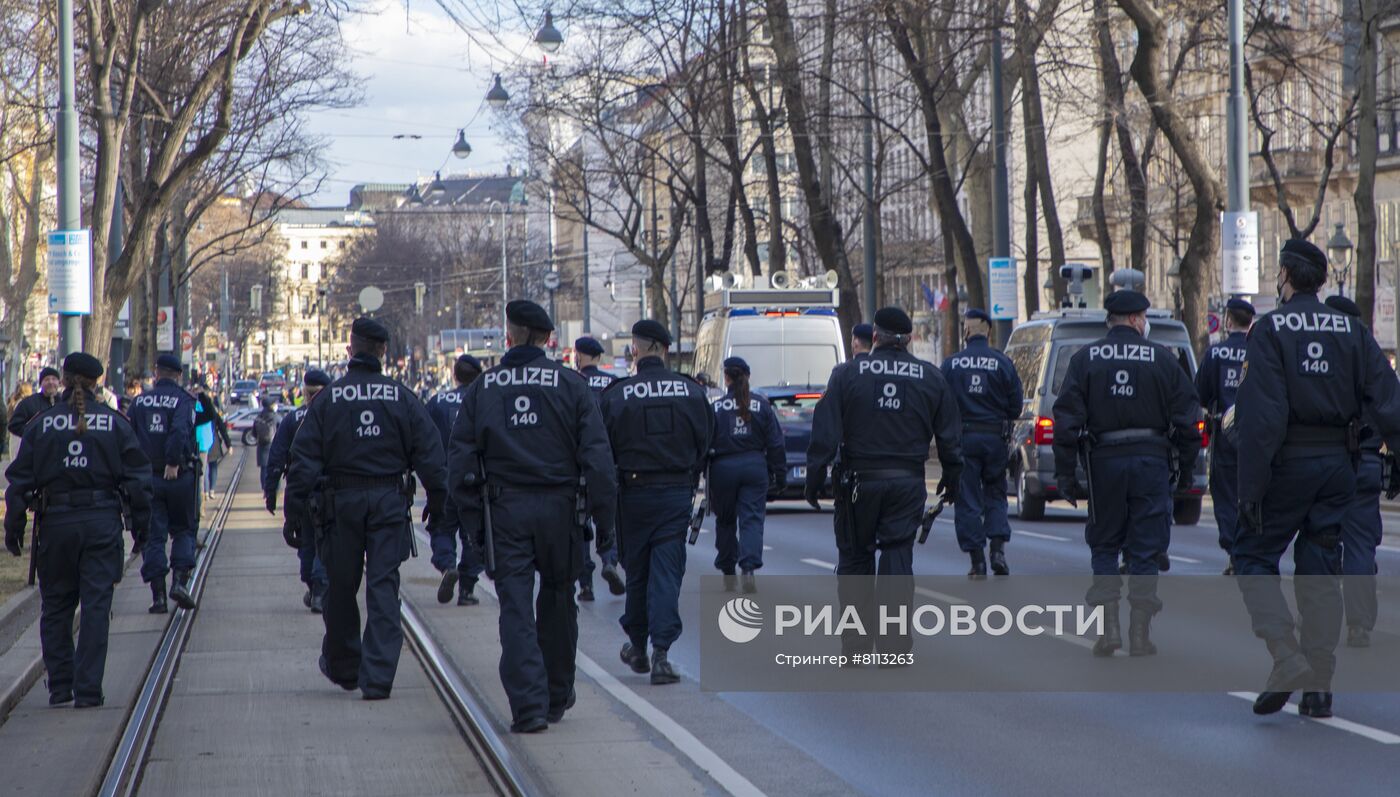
column 739, row 497
column 981, row 499
column 652, row 524
column 1131, row 514
column 445, row 535
column 174, row 516
column 883, row 522
column 80, row 562
column 1361, row 533
column 1225, row 491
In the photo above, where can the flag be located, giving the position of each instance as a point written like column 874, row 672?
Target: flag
column 930, row 298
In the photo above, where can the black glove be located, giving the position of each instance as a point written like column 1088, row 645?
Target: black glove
column 777, row 482
column 270, row 501
column 1252, row 517
column 433, row 509
column 291, row 533
column 947, row 488
column 1071, row 490
column 14, row 531
column 603, row 539
column 1185, row 481
column 812, row 490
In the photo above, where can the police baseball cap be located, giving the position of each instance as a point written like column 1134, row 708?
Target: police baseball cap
column 369, row 329
column 168, row 362
column 82, row 364
column 737, row 363
column 589, row 346
column 894, row 320
column 652, row 330
column 316, row 377
column 977, row 314
column 470, row 361
column 1124, row 302
column 46, row 372
column 1240, row 306
column 1345, row 305
column 863, row 332
column 525, row 313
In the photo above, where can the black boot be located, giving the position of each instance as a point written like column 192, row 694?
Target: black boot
column 1290, row 672
column 661, row 671
column 999, row 567
column 731, row 582
column 1138, row 643
column 1358, row 637
column 158, row 605
column 749, row 586
column 585, row 593
column 447, row 585
column 635, row 657
column 180, row 592
column 466, row 594
column 615, row 583
column 318, row 598
column 1112, row 637
column 1164, row 562
column 1317, row 705
column 306, row 598
column 979, row 565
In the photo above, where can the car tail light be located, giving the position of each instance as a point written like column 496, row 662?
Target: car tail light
column 1205, row 435
column 1044, row 431
column 807, row 396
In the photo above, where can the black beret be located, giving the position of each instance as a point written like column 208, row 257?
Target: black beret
column 1302, row 252
column 467, row 359
column 977, row 314
column 525, row 313
column 1345, row 305
column 169, row 362
column 1124, row 302
column 316, row 377
column 895, row 320
column 47, row 372
column 589, row 346
column 369, row 329
column 863, row 332
column 1240, row 305
column 737, row 362
column 652, row 330
column 82, row 364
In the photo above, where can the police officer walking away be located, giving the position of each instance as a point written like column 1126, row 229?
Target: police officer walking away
column 587, row 353
column 163, row 418
column 661, row 428
column 527, row 431
column 1125, row 408
column 313, row 572
column 32, row 405
column 862, row 341
column 989, row 397
column 749, row 462
column 363, row 440
column 881, row 413
column 79, row 462
column 1361, row 527
column 459, row 574
column 1222, row 367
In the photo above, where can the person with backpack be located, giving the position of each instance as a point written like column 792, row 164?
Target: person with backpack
column 265, row 428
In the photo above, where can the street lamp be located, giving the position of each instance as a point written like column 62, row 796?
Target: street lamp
column 1339, row 252
column 505, row 289
column 497, row 97
column 436, row 188
column 549, row 38
column 461, row 149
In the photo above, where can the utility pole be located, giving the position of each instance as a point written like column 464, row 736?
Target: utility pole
column 70, row 216
column 587, row 287
column 1001, row 188
column 1237, row 144
column 869, row 221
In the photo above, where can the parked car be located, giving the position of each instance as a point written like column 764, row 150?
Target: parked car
column 242, row 392
column 1041, row 349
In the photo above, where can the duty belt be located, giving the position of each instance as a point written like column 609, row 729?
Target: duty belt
column 350, row 482
column 675, row 478
column 80, row 498
column 1315, row 436
column 983, row 428
column 567, row 490
column 871, row 470
column 1121, row 437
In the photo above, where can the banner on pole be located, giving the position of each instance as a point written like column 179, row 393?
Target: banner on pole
column 70, row 272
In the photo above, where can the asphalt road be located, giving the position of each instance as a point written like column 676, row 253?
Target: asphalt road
column 1030, row 743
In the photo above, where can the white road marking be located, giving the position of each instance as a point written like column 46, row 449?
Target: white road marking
column 1374, row 734
column 1183, row 559
column 1040, row 536
column 1388, row 548
column 940, row 596
column 767, row 547
column 825, row 565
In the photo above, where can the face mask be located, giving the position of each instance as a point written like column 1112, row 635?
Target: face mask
column 1278, row 287
column 1146, row 327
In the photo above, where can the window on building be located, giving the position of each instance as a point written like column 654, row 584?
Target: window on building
column 305, row 271
column 324, row 244
column 306, row 336
column 305, row 244
column 341, row 243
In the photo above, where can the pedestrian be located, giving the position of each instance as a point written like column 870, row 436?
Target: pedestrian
column 588, row 352
column 862, row 341
column 661, row 427
column 312, row 570
column 1127, row 413
column 749, row 463
column 366, row 439
column 265, row 428
column 35, row 403
column 82, row 461
column 163, row 418
column 529, row 431
column 459, row 573
column 211, row 432
column 1313, row 377
column 881, row 413
column 132, row 390
column 989, row 396
column 1222, row 367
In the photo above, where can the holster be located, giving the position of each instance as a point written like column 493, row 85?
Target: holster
column 1354, row 437
column 581, row 510
column 1086, row 458
column 41, row 506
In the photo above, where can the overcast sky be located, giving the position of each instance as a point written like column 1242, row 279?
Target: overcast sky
column 423, row 77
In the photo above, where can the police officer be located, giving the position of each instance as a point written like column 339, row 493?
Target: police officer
column 587, row 353
column 313, row 572
column 862, row 341
column 1125, row 408
column 989, row 398
column 363, row 439
column 749, row 462
column 528, row 430
column 1222, row 366
column 661, row 428
column 79, row 462
column 881, row 413
column 458, row 574
column 1361, row 527
column 34, row 404
column 163, row 418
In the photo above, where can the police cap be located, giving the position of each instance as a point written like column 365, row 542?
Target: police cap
column 652, row 330
column 1124, row 302
column 1345, row 305
column 316, row 377
column 369, row 329
column 1240, row 306
column 589, row 346
column 738, row 364
column 977, row 314
column 46, row 372
column 863, row 332
column 525, row 313
column 168, row 362
column 82, row 364
column 894, row 320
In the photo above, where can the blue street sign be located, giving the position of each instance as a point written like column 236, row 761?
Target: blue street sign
column 1001, row 282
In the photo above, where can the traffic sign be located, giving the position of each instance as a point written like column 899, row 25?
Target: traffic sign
column 551, row 281
column 1239, row 253
column 1001, row 281
column 70, row 272
column 1212, row 323
column 371, row 299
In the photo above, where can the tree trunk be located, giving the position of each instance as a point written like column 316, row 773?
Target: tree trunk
column 1031, row 279
column 1039, row 148
column 1368, row 148
column 1101, row 231
column 1116, row 114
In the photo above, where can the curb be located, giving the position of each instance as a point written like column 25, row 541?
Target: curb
column 16, row 615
